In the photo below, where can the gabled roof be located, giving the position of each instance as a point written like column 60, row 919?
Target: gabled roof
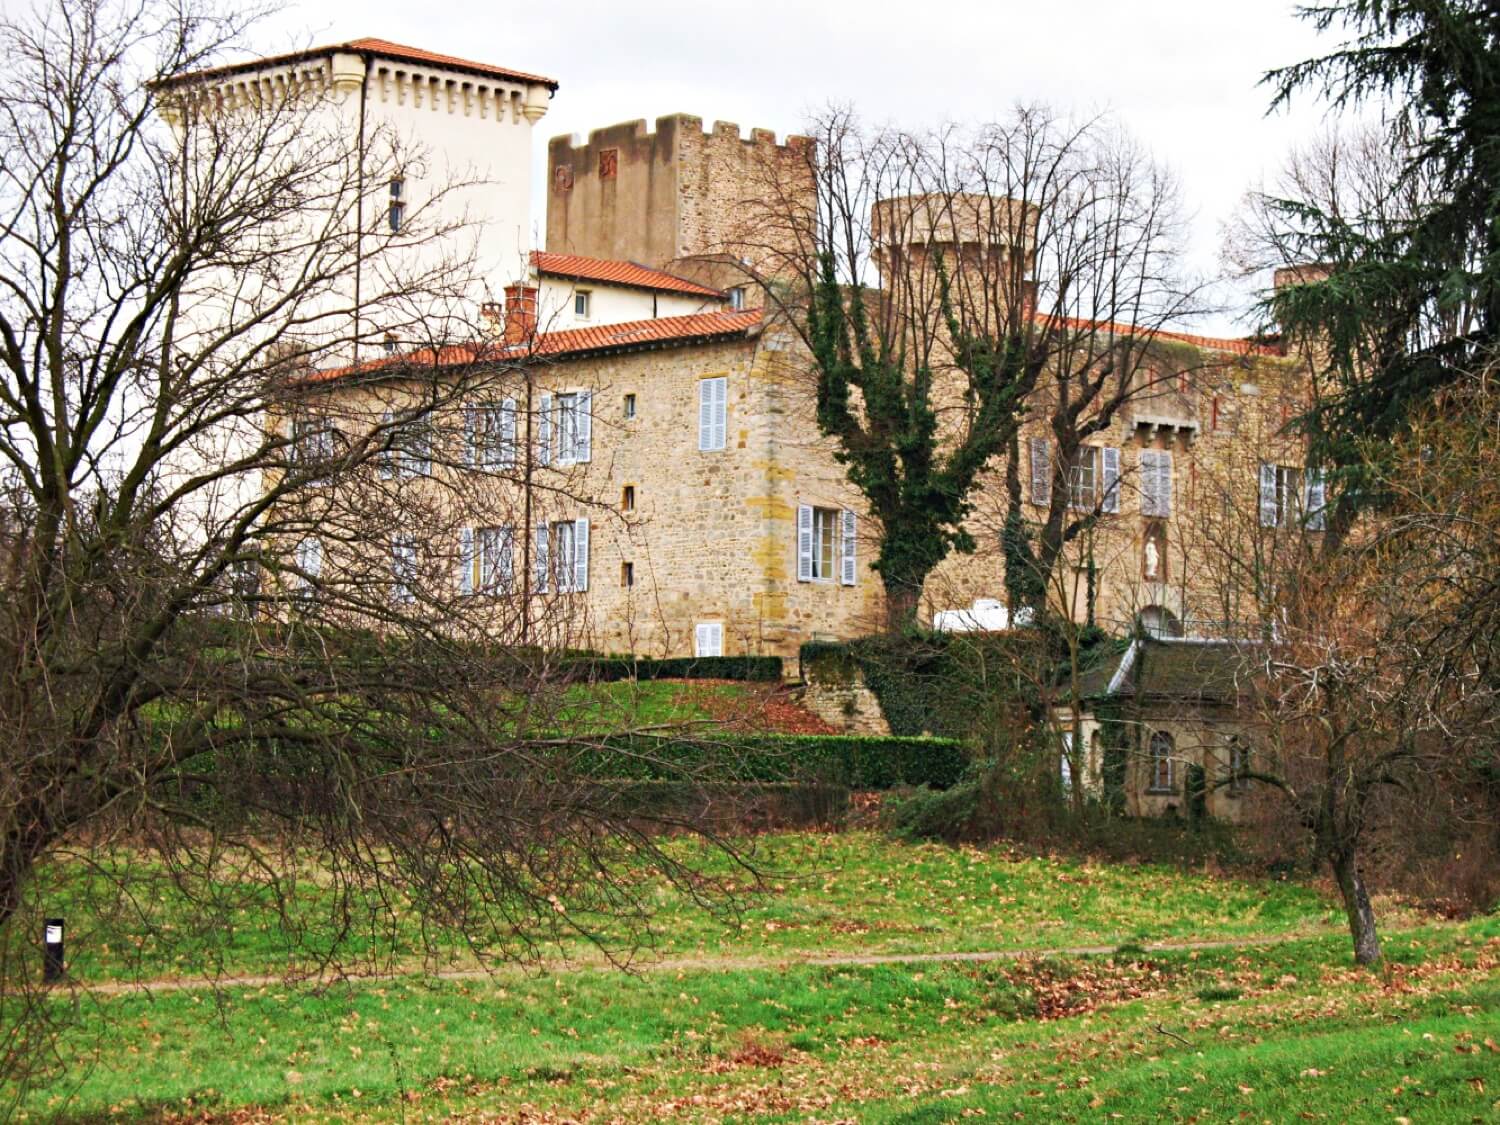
column 382, row 48
column 1181, row 671
column 606, row 271
column 635, row 335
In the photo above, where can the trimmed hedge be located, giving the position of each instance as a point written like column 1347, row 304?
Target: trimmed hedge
column 855, row 761
column 600, row 669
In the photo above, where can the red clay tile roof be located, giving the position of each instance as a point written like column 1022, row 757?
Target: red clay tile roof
column 382, row 47
column 636, row 276
column 1213, row 343
column 664, row 331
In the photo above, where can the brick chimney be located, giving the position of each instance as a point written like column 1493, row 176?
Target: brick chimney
column 520, row 312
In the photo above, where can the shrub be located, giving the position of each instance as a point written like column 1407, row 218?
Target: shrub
column 854, row 761
column 604, row 668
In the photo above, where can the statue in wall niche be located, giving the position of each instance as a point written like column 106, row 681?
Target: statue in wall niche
column 1152, row 567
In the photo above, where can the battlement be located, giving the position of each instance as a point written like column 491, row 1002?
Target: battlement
column 670, row 194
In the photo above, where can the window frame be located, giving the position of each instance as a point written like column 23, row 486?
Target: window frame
column 396, row 204
column 585, row 298
column 1162, row 751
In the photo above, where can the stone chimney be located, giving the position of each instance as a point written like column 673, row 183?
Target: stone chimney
column 520, row 312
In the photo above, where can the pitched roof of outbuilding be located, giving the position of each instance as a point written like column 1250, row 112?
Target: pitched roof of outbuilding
column 610, row 272
column 1183, row 671
column 635, row 335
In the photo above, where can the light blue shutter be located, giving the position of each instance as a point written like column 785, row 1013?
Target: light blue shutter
column 581, row 554
column 1156, row 482
column 721, row 413
column 544, row 431
column 1268, row 512
column 804, row 543
column 386, row 463
column 541, row 565
column 507, row 433
column 505, row 561
column 846, row 546
column 1110, row 460
column 583, row 444
column 1316, row 499
column 466, row 560
column 705, row 414
column 473, row 426
column 1164, row 482
column 1041, row 472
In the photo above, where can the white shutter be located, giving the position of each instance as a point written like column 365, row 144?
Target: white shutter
column 506, row 563
column 1041, row 472
column 1110, row 462
column 705, row 414
column 804, row 543
column 583, row 445
column 466, row 560
column 846, row 552
column 541, row 564
column 544, row 431
column 1268, row 510
column 1156, row 482
column 310, row 557
column 387, row 460
column 1316, row 500
column 708, row 639
column 721, row 413
column 581, row 554
column 474, row 419
column 507, row 433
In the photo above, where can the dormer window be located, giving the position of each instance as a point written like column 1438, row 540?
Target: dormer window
column 737, row 297
column 582, row 298
column 397, row 212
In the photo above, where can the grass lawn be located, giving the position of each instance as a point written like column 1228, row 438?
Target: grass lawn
column 817, row 894
column 1272, row 1033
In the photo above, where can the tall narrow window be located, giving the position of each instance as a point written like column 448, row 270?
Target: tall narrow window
column 627, row 574
column 713, row 412
column 403, row 568
column 574, row 427
column 582, row 300
column 737, row 297
column 629, row 407
column 397, row 212
column 1156, row 482
column 1163, row 767
column 627, row 498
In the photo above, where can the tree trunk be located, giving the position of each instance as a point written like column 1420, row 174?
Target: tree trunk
column 1357, row 906
column 901, row 600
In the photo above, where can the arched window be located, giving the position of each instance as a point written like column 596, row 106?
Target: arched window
column 1163, row 767
column 1238, row 753
column 1159, row 622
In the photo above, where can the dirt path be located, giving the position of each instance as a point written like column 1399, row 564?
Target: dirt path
column 665, row 965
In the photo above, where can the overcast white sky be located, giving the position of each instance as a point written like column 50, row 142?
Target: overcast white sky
column 1180, row 74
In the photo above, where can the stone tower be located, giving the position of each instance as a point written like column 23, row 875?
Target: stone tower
column 679, row 199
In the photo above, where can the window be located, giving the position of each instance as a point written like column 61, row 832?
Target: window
column 561, row 559
column 1239, row 766
column 1159, row 623
column 486, row 560
column 712, row 413
column 1287, row 493
column 313, row 439
column 581, row 301
column 1094, row 479
column 389, row 344
column 1156, row 482
column 403, row 568
column 397, row 211
column 1163, row 766
column 308, row 558
column 408, row 449
column 708, row 639
column 629, row 407
column 491, row 430
column 825, row 545
column 737, row 297
column 627, row 574
column 574, row 427
column 627, row 498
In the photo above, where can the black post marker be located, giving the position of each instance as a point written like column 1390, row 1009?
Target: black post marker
column 52, row 950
